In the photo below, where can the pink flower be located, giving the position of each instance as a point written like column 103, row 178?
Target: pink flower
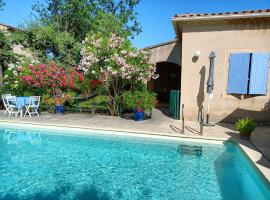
column 53, row 64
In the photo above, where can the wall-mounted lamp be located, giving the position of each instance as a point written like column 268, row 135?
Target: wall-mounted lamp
column 196, row 55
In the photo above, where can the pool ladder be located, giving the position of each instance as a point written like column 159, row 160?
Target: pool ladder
column 201, row 120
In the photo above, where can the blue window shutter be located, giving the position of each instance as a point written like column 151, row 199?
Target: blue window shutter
column 238, row 73
column 259, row 73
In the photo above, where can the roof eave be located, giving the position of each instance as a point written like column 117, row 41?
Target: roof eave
column 160, row 44
column 220, row 17
column 177, row 20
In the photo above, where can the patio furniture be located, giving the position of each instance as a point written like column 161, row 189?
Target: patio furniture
column 21, row 102
column 12, row 106
column 32, row 106
column 4, row 98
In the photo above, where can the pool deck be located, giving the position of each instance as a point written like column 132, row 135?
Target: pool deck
column 258, row 149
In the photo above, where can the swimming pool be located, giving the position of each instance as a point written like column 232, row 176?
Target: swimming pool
column 49, row 165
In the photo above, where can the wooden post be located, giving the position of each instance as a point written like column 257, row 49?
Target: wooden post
column 77, row 104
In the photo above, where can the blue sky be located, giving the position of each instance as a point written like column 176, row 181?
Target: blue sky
column 154, row 15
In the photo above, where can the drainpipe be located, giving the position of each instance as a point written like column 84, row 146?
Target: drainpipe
column 183, row 120
column 201, row 121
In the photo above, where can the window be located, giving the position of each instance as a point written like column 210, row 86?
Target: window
column 248, row 73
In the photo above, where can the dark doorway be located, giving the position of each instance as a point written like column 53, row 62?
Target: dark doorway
column 169, row 79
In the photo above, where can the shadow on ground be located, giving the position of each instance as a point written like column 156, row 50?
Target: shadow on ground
column 164, row 109
column 264, row 160
column 130, row 116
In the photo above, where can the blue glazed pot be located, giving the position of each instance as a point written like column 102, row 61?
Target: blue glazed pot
column 138, row 115
column 59, row 109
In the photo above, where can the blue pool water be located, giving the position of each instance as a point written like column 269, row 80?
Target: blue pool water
column 103, row 167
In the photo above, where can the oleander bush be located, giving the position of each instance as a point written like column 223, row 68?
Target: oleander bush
column 139, row 100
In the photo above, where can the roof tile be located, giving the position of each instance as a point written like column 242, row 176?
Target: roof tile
column 224, row 14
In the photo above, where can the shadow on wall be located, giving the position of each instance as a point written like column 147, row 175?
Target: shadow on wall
column 86, row 193
column 259, row 116
column 267, row 107
column 200, row 96
column 175, row 55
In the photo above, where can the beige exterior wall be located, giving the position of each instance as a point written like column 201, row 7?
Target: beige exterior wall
column 17, row 48
column 2, row 27
column 223, row 38
column 166, row 53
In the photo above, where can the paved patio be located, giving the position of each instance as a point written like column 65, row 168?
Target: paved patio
column 258, row 149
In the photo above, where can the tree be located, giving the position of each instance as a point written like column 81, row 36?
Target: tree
column 2, row 4
column 114, row 62
column 46, row 44
column 61, row 25
column 77, row 16
column 7, row 54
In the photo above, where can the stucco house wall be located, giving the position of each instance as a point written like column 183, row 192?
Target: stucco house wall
column 166, row 52
column 3, row 27
column 19, row 49
column 224, row 38
column 164, row 55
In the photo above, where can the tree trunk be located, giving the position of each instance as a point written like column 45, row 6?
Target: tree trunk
column 1, row 74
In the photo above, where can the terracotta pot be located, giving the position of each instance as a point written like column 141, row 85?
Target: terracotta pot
column 245, row 135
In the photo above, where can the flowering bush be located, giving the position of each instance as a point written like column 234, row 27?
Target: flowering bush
column 11, row 76
column 139, row 100
column 58, row 100
column 12, row 82
column 49, row 102
column 52, row 77
column 116, row 64
column 114, row 56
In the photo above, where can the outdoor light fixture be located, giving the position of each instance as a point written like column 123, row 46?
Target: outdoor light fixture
column 196, row 56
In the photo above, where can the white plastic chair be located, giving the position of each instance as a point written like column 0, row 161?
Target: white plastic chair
column 12, row 105
column 4, row 98
column 32, row 107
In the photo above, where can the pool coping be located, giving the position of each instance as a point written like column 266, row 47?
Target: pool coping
column 248, row 148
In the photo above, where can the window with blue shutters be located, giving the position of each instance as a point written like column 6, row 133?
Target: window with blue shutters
column 258, row 73
column 248, row 73
column 238, row 73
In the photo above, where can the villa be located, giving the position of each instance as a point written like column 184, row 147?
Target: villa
column 241, row 43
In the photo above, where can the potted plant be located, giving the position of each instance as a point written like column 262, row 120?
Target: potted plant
column 139, row 102
column 139, row 110
column 245, row 127
column 59, row 104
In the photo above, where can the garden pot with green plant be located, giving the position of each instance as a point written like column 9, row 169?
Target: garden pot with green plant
column 245, row 126
column 59, row 105
column 139, row 102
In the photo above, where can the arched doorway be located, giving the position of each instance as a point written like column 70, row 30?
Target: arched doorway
column 169, row 79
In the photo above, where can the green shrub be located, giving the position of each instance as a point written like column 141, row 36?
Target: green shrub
column 139, row 99
column 98, row 103
column 245, row 125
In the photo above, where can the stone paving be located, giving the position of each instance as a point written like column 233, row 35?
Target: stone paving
column 258, row 149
